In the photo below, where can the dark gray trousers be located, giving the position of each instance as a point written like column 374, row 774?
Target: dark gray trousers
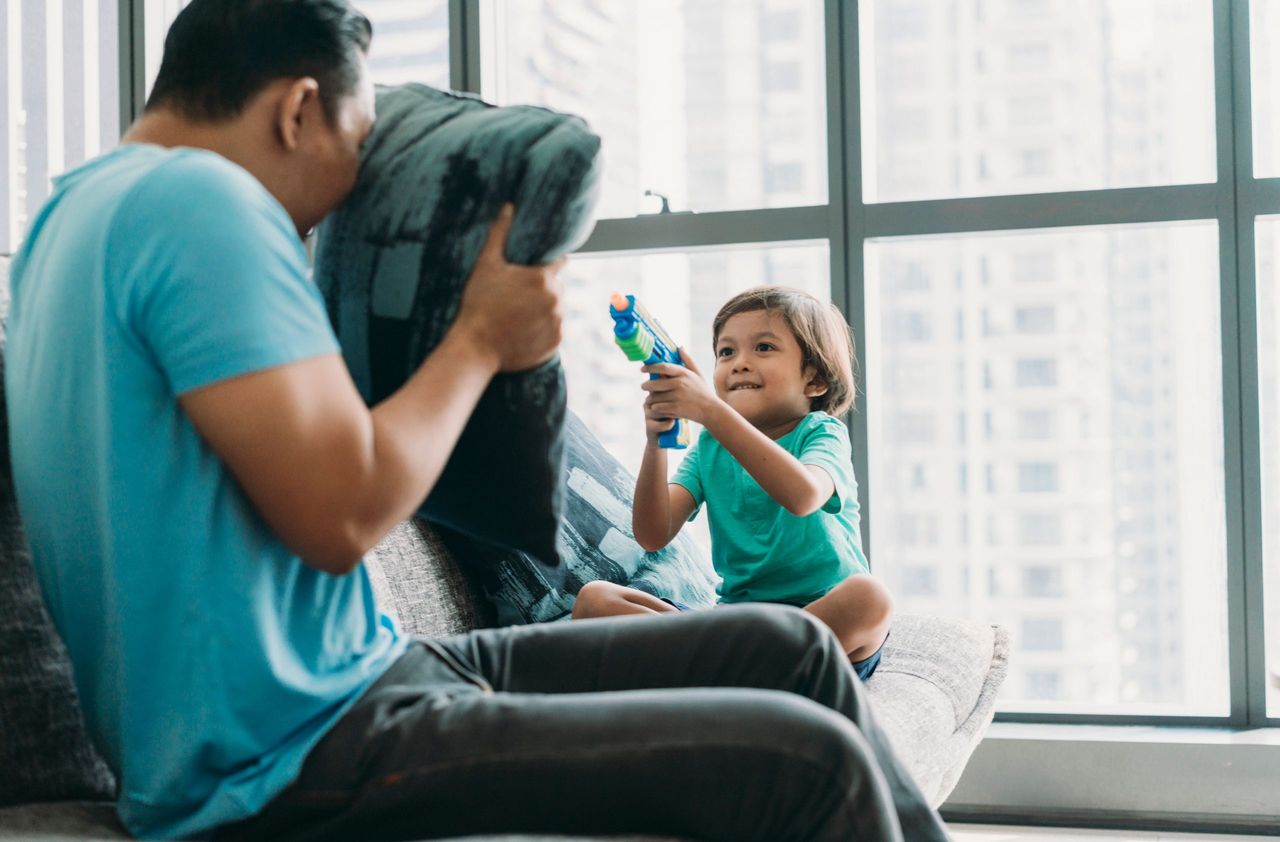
column 743, row 723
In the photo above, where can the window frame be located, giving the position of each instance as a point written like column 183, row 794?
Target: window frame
column 1235, row 200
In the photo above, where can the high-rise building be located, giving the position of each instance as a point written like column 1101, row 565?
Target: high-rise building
column 1031, row 450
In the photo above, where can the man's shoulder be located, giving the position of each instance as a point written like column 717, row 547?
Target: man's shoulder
column 186, row 184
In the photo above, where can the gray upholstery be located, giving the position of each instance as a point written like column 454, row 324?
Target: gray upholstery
column 934, row 691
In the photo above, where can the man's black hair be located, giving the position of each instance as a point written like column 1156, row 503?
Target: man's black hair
column 220, row 53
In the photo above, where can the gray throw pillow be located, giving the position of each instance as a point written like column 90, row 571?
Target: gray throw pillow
column 45, row 754
column 392, row 263
column 595, row 543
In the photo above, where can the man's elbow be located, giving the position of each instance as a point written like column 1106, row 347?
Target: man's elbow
column 336, row 550
column 333, row 564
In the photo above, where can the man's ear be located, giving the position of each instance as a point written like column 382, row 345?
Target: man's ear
column 299, row 98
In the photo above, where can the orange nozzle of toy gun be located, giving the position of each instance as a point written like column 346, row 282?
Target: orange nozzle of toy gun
column 619, row 301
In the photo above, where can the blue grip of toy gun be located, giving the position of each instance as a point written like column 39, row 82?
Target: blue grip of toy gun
column 668, row 438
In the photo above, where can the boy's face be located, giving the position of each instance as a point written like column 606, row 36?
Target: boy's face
column 760, row 372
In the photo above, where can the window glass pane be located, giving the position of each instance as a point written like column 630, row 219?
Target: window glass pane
column 410, row 41
column 59, row 99
column 1268, row 238
column 991, row 97
column 1265, row 54
column 717, row 104
column 1079, row 500
column 157, row 20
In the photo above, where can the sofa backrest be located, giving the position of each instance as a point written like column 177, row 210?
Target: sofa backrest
column 417, row 581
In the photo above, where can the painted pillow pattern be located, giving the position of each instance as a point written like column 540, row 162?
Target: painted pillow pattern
column 595, row 543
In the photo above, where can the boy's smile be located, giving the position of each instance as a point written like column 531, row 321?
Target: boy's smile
column 760, row 372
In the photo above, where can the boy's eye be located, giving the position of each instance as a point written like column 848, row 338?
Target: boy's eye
column 724, row 352
column 764, row 346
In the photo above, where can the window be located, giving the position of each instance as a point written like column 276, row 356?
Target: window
column 1039, row 529
column 1268, row 292
column 1265, row 55
column 1039, row 319
column 682, row 93
column 1036, row 424
column 1036, row 477
column 912, row 326
column 1043, row 685
column 1042, row 582
column 1141, row 103
column 919, row 581
column 1042, row 635
column 915, row 427
column 410, row 41
column 59, row 100
column 1036, row 373
column 782, row 77
column 916, row 530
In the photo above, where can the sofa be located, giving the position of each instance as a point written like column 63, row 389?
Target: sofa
column 933, row 692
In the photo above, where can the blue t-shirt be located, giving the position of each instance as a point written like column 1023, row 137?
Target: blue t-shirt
column 761, row 551
column 209, row 658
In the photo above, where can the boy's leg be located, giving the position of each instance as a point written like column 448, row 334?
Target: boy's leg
column 859, row 611
column 605, row 599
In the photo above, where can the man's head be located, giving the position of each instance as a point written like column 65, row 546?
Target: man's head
column 286, row 79
column 220, row 53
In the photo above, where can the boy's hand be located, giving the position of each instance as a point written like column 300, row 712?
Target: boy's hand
column 681, row 392
column 512, row 313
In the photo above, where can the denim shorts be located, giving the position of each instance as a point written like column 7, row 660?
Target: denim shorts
column 864, row 668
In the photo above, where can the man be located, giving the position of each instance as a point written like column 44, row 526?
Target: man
column 199, row 479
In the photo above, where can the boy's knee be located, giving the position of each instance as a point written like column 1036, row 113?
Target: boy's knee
column 878, row 600
column 591, row 598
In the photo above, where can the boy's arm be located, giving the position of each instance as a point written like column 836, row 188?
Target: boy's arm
column 660, row 509
column 798, row 488
column 682, row 392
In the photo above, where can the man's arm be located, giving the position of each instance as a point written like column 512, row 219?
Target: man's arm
column 332, row 477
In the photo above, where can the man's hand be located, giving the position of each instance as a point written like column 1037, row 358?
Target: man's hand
column 681, row 392
column 511, row 313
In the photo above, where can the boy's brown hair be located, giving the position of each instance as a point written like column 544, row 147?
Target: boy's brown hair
column 826, row 342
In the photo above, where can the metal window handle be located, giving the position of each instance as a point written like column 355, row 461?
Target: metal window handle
column 666, row 206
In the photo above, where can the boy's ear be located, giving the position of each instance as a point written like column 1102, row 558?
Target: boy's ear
column 816, row 387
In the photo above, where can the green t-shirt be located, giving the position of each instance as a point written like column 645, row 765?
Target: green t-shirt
column 763, row 552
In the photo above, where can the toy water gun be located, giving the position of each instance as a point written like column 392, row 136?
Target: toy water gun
column 643, row 339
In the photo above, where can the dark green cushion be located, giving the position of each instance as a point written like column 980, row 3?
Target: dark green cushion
column 392, row 263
